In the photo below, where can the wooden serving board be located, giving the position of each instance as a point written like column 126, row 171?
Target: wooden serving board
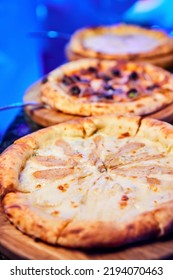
column 16, row 245
column 46, row 117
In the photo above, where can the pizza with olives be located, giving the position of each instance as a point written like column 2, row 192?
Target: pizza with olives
column 102, row 181
column 122, row 41
column 93, row 87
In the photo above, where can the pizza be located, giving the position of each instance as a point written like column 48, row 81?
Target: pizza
column 92, row 87
column 102, row 181
column 122, row 41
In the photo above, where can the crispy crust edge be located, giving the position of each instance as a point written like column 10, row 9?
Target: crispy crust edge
column 164, row 61
column 77, row 234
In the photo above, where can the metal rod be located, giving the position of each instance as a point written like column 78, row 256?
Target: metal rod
column 51, row 34
column 21, row 104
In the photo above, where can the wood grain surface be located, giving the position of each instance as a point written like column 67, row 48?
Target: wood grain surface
column 46, row 117
column 16, row 245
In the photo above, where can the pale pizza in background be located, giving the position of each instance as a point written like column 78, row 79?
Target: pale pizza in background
column 122, row 41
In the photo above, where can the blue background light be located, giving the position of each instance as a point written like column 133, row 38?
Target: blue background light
column 24, row 59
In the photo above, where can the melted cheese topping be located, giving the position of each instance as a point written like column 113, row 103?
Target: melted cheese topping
column 99, row 178
column 115, row 44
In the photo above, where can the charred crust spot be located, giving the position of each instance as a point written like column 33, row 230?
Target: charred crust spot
column 44, row 80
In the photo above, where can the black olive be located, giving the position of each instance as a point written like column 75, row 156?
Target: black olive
column 67, row 80
column 152, row 87
column 92, row 69
column 133, row 76
column 116, row 72
column 132, row 93
column 106, row 78
column 75, row 90
column 108, row 87
column 105, row 95
column 75, row 78
column 109, row 96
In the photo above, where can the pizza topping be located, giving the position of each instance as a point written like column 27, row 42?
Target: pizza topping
column 49, row 161
column 152, row 87
column 53, row 174
column 118, row 83
column 67, row 80
column 92, row 69
column 132, row 93
column 105, row 96
column 133, row 76
column 75, row 90
column 116, row 72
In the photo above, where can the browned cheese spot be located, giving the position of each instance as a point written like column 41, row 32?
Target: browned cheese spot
column 124, row 201
column 55, row 213
column 74, row 204
column 153, row 181
column 38, row 186
column 123, row 135
column 63, row 188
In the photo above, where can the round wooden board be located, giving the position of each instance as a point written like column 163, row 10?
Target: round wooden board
column 16, row 245
column 46, row 117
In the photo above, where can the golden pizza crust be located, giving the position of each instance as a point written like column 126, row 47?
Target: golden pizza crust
column 165, row 61
column 76, row 48
column 33, row 219
column 58, row 98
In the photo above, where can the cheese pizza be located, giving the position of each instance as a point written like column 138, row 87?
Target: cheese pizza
column 92, row 87
column 102, row 181
column 122, row 41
